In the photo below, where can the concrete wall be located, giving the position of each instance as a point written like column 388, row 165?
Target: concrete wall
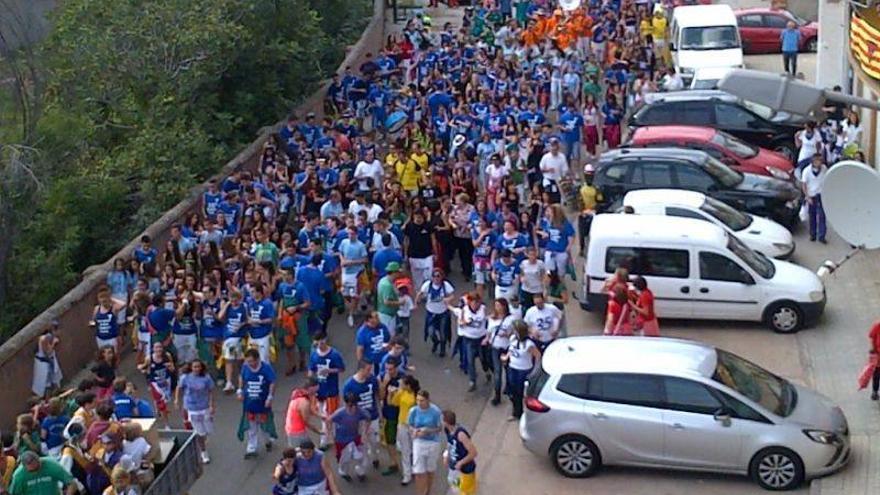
column 831, row 58
column 73, row 310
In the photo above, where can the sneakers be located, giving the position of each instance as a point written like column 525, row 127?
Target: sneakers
column 376, row 464
column 345, row 477
column 405, row 481
column 228, row 388
column 269, row 445
column 472, row 386
column 250, row 454
column 362, row 478
column 874, row 396
column 350, row 320
column 389, row 471
column 496, row 400
column 205, row 458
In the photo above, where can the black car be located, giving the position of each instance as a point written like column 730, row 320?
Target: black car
column 753, row 123
column 624, row 170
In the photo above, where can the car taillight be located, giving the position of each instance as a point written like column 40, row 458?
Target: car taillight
column 534, row 405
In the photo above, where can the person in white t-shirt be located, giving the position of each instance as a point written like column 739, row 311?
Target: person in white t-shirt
column 437, row 293
column 543, row 320
column 812, row 181
column 553, row 164
column 809, row 142
column 369, row 172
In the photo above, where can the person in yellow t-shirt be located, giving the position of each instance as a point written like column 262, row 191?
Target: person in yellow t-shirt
column 658, row 33
column 589, row 198
column 405, row 398
column 408, row 173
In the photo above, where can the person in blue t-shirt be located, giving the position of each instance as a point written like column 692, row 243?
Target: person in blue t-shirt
column 52, row 427
column 124, row 405
column 348, row 422
column 505, row 274
column 256, row 389
column 364, row 385
column 558, row 235
column 326, row 364
column 612, row 115
column 315, row 282
column 234, row 315
column 425, row 425
column 261, row 316
column 372, row 341
column 570, row 124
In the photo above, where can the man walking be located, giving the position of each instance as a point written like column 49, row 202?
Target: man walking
column 813, row 179
column 791, row 41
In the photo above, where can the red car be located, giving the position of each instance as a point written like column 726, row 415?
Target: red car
column 760, row 28
column 728, row 149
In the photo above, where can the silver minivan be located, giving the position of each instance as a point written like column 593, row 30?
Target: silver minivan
column 669, row 403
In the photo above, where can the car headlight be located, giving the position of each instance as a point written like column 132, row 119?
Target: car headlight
column 822, row 436
column 778, row 173
column 816, row 295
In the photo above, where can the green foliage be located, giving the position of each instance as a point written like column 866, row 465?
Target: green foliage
column 144, row 99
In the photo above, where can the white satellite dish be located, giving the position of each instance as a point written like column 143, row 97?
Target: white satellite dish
column 569, row 5
column 851, row 198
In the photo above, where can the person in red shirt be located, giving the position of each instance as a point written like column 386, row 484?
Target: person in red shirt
column 643, row 305
column 874, row 338
column 617, row 319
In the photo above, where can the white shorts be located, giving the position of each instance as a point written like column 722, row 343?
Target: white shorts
column 505, row 292
column 556, row 261
column 144, row 339
column 317, row 489
column 105, row 342
column 262, row 344
column 232, row 349
column 372, row 436
column 481, row 275
column 426, row 455
column 389, row 321
column 350, row 284
column 202, row 422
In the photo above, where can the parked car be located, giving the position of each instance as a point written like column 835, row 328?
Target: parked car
column 698, row 271
column 725, row 147
column 621, row 171
column 703, row 36
column 760, row 28
column 677, row 404
column 751, row 122
column 758, row 233
column 708, row 77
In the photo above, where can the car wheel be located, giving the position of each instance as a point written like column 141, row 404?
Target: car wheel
column 777, row 469
column 785, row 317
column 785, row 149
column 575, row 456
column 812, row 45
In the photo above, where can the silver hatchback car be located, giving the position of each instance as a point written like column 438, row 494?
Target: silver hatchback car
column 668, row 403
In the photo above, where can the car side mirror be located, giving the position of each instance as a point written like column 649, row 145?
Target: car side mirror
column 723, row 416
column 672, row 47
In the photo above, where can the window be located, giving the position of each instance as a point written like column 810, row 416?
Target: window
column 682, row 212
column 721, row 268
column 693, row 113
column 649, row 262
column 659, row 114
column 732, row 117
column 652, row 174
column 637, row 390
column 689, row 396
column 775, row 21
column 574, row 385
column 616, row 174
column 741, row 410
column 693, row 178
column 536, row 381
column 751, row 20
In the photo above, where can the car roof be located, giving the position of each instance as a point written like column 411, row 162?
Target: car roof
column 678, row 154
column 658, row 132
column 654, row 355
column 666, row 197
column 759, row 10
column 667, row 230
column 699, row 15
column 689, row 95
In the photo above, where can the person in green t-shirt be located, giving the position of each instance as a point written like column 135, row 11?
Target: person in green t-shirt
column 386, row 296
column 592, row 88
column 37, row 475
column 265, row 250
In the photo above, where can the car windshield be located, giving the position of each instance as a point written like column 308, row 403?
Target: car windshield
column 764, row 112
column 774, row 393
column 736, row 146
column 734, row 220
column 709, row 38
column 755, row 260
column 800, row 21
column 722, row 173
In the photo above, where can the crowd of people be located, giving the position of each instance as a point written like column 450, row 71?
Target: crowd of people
column 452, row 150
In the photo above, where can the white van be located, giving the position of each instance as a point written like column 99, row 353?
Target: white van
column 760, row 234
column 704, row 36
column 698, row 271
